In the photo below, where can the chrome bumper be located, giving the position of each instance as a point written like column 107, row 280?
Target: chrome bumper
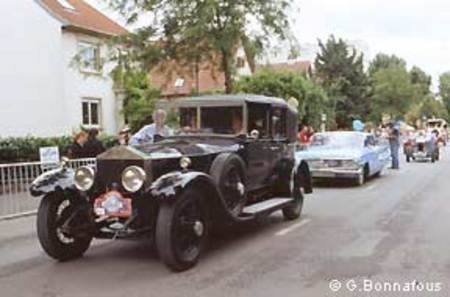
column 335, row 173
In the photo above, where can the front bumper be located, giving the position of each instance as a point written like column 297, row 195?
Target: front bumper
column 336, row 173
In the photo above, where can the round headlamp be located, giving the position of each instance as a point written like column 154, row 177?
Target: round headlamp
column 185, row 162
column 84, row 178
column 133, row 178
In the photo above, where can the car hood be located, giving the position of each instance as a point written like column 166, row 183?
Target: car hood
column 330, row 153
column 173, row 148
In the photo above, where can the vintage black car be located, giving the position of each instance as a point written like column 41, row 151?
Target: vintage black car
column 231, row 161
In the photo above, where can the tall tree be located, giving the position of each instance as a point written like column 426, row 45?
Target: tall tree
column 393, row 93
column 444, row 89
column 340, row 70
column 196, row 31
column 383, row 61
column 312, row 99
column 421, row 80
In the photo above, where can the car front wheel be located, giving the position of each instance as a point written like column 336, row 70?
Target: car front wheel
column 182, row 230
column 56, row 217
column 293, row 211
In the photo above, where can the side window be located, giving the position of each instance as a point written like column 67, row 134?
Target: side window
column 258, row 119
column 278, row 123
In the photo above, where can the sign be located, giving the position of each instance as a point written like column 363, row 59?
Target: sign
column 49, row 155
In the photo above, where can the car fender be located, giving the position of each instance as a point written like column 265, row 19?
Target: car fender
column 302, row 168
column 61, row 178
column 167, row 189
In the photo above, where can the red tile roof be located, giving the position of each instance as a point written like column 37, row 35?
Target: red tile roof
column 299, row 66
column 84, row 17
column 209, row 79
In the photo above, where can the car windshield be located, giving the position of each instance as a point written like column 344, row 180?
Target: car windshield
column 226, row 120
column 337, row 139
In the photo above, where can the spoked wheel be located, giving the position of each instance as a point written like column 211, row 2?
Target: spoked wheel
column 182, row 230
column 294, row 210
column 55, row 219
column 227, row 171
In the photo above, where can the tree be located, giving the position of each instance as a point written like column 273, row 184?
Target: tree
column 312, row 99
column 383, row 61
column 421, row 80
column 393, row 92
column 196, row 31
column 444, row 89
column 429, row 107
column 340, row 71
column 139, row 97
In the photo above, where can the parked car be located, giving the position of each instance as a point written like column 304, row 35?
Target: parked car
column 421, row 146
column 346, row 155
column 440, row 128
column 231, row 161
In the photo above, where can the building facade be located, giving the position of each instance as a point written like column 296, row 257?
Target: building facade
column 52, row 76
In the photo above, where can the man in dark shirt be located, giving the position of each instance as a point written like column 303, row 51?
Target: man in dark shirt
column 93, row 146
column 394, row 143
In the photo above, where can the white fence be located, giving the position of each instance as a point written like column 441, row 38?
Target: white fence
column 17, row 177
column 15, row 180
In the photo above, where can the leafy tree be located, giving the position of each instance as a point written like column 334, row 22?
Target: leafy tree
column 192, row 32
column 421, row 80
column 285, row 84
column 139, row 97
column 444, row 89
column 428, row 107
column 393, row 92
column 340, row 70
column 383, row 61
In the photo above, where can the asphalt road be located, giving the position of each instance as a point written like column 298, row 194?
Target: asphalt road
column 392, row 230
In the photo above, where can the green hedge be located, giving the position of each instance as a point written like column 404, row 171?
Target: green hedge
column 26, row 149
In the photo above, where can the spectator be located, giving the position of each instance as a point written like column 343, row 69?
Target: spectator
column 75, row 150
column 303, row 135
column 124, row 136
column 93, row 146
column 394, row 143
column 148, row 133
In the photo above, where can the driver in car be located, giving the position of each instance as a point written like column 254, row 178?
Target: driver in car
column 149, row 132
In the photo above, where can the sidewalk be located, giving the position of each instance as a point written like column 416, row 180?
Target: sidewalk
column 11, row 204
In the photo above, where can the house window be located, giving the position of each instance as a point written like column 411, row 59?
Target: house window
column 91, row 112
column 66, row 4
column 89, row 54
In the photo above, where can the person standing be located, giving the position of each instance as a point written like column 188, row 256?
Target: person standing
column 394, row 143
column 93, row 145
column 75, row 150
column 148, row 132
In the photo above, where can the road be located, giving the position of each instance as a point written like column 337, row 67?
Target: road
column 393, row 229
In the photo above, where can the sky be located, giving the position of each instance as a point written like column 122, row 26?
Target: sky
column 416, row 30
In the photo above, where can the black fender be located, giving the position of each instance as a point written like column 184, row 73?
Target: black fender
column 301, row 171
column 61, row 179
column 167, row 189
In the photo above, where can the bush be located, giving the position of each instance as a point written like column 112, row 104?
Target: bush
column 26, row 149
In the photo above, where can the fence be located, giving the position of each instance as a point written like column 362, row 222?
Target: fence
column 16, row 178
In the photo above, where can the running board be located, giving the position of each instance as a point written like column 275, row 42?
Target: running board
column 266, row 207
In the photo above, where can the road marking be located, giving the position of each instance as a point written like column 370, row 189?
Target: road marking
column 292, row 227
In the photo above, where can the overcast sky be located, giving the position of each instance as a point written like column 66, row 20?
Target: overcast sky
column 416, row 30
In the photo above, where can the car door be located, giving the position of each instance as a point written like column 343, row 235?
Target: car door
column 371, row 154
column 278, row 135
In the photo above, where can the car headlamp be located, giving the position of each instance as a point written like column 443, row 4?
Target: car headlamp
column 349, row 164
column 84, row 178
column 185, row 162
column 133, row 177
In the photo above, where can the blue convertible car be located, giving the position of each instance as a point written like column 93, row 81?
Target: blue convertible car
column 349, row 155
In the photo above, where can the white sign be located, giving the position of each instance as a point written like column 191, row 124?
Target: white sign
column 49, row 155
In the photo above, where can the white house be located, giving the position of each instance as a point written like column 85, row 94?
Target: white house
column 42, row 92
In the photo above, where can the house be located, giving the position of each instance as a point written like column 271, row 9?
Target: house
column 304, row 67
column 43, row 91
column 175, row 80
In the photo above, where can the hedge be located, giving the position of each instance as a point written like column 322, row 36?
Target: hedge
column 26, row 149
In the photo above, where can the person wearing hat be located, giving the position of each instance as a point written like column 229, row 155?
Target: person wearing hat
column 124, row 135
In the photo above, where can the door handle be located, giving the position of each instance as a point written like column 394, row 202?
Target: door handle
column 274, row 148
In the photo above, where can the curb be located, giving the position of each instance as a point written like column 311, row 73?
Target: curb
column 18, row 215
